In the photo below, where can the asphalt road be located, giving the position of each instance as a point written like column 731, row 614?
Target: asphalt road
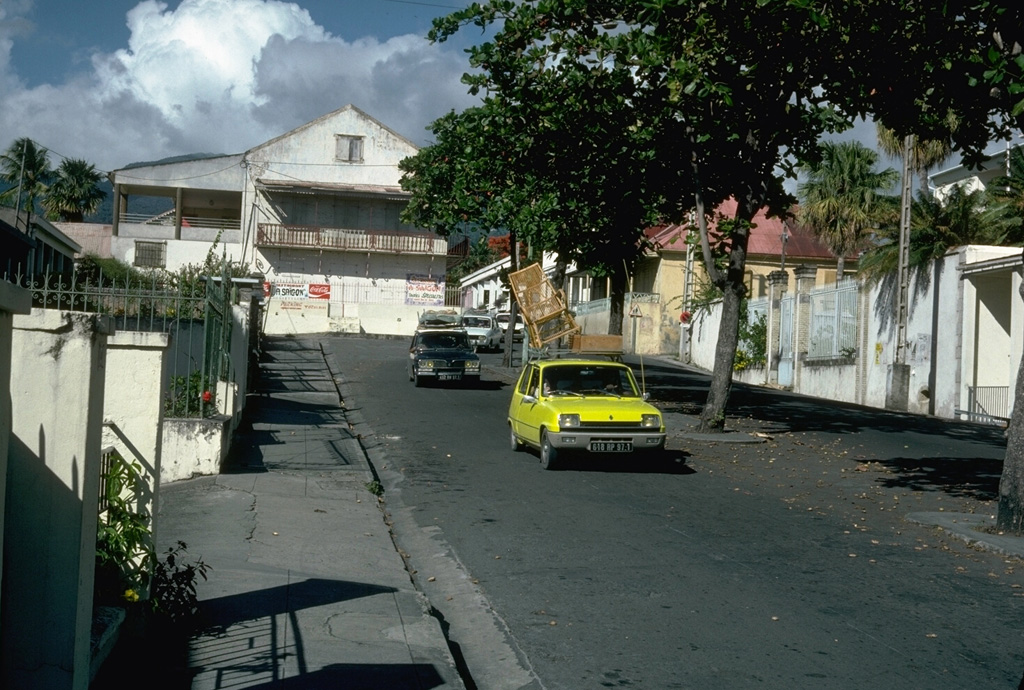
column 782, row 564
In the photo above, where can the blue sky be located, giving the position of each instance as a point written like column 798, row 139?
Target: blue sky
column 116, row 81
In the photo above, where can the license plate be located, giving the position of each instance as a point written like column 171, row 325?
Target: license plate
column 449, row 377
column 611, row 447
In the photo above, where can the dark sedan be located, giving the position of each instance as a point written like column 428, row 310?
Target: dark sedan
column 442, row 355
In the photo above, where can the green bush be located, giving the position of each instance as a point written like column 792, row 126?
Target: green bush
column 124, row 550
column 752, row 350
column 190, row 396
column 126, row 562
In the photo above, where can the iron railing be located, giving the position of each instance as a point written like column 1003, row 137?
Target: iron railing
column 833, row 321
column 193, row 311
column 988, row 404
column 166, row 219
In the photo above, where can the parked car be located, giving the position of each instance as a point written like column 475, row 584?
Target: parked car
column 580, row 405
column 503, row 318
column 439, row 318
column 442, row 354
column 482, row 330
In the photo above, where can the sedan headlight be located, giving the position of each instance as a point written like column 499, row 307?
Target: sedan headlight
column 651, row 421
column 426, row 364
column 473, row 365
column 566, row 421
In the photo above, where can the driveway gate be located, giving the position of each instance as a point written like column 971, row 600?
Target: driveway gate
column 786, row 340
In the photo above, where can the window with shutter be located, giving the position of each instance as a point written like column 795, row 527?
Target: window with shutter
column 348, row 148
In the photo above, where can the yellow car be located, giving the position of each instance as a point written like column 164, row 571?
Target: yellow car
column 561, row 405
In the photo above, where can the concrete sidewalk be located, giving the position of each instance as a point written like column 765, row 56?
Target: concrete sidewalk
column 307, row 589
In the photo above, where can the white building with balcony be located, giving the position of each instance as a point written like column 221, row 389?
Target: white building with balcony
column 314, row 211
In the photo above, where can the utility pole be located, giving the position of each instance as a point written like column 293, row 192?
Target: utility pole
column 903, row 276
column 897, row 396
column 21, row 180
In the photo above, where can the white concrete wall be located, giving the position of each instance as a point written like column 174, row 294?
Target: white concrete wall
column 133, row 405
column 57, row 392
column 13, row 300
column 704, row 336
column 193, row 447
column 179, row 253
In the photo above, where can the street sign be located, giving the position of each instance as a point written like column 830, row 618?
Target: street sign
column 634, row 311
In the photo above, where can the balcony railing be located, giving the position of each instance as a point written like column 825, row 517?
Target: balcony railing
column 313, row 237
column 166, row 219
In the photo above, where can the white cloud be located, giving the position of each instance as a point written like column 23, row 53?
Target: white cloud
column 221, row 76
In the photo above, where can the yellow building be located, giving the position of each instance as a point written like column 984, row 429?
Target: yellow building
column 671, row 272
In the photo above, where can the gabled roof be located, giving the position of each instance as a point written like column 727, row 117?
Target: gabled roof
column 765, row 236
column 328, row 116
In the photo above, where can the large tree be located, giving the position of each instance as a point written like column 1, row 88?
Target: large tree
column 839, row 197
column 74, row 192
column 733, row 93
column 561, row 175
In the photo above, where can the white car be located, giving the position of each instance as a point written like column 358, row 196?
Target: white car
column 483, row 331
column 502, row 319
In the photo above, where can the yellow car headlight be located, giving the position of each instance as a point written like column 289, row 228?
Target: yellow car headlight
column 651, row 421
column 566, row 421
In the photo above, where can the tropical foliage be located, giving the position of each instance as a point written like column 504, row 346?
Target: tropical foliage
column 839, row 198
column 962, row 217
column 75, row 191
column 924, row 153
column 69, row 193
column 25, row 167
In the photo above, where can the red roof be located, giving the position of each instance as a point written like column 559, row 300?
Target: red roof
column 765, row 236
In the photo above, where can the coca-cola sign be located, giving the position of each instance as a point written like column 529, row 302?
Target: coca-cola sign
column 300, row 291
column 319, row 291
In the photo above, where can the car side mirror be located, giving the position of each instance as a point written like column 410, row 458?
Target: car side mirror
column 529, row 399
column 646, row 395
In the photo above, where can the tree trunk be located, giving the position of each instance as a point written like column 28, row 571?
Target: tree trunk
column 1010, row 517
column 617, row 302
column 712, row 417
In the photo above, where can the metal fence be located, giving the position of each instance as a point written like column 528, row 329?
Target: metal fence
column 193, row 311
column 833, row 321
column 988, row 404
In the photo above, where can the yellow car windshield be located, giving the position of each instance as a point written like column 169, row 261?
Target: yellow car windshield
column 588, row 379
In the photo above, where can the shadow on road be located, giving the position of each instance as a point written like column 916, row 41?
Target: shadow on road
column 976, row 478
column 679, row 390
column 668, row 462
column 965, row 472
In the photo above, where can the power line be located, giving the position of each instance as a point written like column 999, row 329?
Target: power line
column 426, row 4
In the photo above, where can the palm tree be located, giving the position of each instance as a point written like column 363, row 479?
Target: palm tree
column 962, row 217
column 75, row 193
column 925, row 153
column 839, row 198
column 26, row 167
